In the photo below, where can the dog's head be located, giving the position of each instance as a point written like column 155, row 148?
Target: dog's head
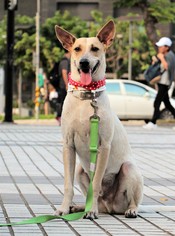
column 87, row 54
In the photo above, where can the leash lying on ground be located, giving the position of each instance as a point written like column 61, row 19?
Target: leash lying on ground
column 94, row 124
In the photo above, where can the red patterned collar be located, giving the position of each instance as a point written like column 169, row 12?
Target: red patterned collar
column 92, row 86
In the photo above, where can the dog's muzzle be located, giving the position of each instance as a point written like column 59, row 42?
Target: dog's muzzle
column 85, row 66
column 96, row 67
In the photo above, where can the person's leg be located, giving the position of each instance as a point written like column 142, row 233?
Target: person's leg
column 167, row 103
column 61, row 96
column 64, row 93
column 159, row 98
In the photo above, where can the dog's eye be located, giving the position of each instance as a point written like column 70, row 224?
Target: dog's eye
column 94, row 49
column 77, row 49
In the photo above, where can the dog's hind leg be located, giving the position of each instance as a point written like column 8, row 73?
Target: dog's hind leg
column 82, row 179
column 134, row 191
column 130, row 190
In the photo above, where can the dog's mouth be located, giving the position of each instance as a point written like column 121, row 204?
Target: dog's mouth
column 85, row 76
column 86, row 72
column 96, row 67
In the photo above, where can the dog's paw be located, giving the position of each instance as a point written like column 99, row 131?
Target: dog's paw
column 131, row 213
column 91, row 215
column 74, row 209
column 62, row 212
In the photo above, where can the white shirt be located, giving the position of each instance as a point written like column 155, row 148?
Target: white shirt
column 164, row 77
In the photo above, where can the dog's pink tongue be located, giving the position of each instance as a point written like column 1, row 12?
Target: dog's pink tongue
column 86, row 78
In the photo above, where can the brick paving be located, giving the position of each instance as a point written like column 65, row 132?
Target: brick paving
column 31, row 183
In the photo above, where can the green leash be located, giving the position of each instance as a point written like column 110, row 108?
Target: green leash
column 94, row 123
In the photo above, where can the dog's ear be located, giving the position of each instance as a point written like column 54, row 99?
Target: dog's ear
column 65, row 38
column 107, row 34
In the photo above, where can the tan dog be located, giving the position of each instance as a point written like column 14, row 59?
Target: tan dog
column 117, row 184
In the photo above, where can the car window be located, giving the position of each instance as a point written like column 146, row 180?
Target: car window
column 113, row 88
column 133, row 89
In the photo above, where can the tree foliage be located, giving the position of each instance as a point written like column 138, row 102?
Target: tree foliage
column 24, row 43
column 162, row 10
column 3, row 41
column 153, row 12
column 117, row 56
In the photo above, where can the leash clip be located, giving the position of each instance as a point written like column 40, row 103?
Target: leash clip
column 94, row 105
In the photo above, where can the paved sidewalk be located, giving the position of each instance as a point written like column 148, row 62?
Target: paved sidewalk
column 31, row 183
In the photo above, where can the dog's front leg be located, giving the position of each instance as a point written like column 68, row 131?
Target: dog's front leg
column 69, row 159
column 101, row 164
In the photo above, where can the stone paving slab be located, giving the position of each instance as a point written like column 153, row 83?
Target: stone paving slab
column 31, row 183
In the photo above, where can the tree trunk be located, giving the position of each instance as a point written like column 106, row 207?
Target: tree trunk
column 150, row 23
column 150, row 26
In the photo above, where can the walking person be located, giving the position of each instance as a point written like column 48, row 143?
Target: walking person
column 63, row 71
column 167, row 59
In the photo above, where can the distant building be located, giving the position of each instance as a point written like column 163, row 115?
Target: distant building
column 79, row 8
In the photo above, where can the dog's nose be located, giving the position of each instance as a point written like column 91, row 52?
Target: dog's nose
column 84, row 65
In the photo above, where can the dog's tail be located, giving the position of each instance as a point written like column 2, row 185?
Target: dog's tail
column 155, row 208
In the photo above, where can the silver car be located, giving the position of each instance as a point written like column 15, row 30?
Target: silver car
column 133, row 100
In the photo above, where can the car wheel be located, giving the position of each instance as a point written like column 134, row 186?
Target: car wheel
column 165, row 114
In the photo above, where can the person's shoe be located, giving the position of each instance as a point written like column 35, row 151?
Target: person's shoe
column 150, row 126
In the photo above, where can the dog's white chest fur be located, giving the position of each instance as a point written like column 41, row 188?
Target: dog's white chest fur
column 76, row 131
